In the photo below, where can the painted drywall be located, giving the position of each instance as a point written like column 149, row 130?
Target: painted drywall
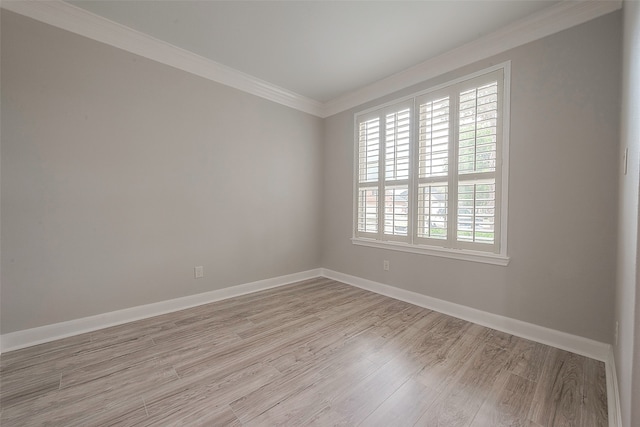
column 562, row 192
column 627, row 361
column 119, row 175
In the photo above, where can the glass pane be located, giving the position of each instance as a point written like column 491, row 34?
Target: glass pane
column 368, row 210
column 397, row 137
column 432, row 211
column 396, row 210
column 477, row 129
column 433, row 139
column 476, row 211
column 368, row 150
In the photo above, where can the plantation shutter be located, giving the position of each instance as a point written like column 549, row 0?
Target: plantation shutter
column 434, row 127
column 368, row 175
column 429, row 169
column 478, row 130
column 397, row 144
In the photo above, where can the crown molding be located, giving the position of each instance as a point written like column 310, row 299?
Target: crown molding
column 544, row 23
column 79, row 21
column 548, row 21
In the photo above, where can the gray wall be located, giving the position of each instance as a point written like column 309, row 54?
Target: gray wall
column 119, row 175
column 562, row 192
column 627, row 303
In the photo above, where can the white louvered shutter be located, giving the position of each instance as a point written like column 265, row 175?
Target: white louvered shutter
column 397, row 144
column 429, row 169
column 478, row 129
column 368, row 175
column 433, row 167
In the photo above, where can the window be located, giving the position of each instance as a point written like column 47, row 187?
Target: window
column 431, row 171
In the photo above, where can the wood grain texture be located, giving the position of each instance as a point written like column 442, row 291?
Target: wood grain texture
column 558, row 399
column 317, row 352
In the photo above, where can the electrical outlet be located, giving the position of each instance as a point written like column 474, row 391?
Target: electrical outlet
column 615, row 337
column 198, row 272
column 385, row 265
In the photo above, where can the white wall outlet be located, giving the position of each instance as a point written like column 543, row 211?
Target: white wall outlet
column 198, row 272
column 385, row 265
column 615, row 336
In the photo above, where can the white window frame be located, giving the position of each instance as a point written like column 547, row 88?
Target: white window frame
column 495, row 254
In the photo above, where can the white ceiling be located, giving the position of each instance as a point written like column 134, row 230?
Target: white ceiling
column 318, row 49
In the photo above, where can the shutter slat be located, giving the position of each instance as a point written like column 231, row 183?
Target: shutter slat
column 396, row 210
column 432, row 211
column 477, row 129
column 368, row 210
column 476, row 211
column 433, row 131
column 397, row 143
column 369, row 150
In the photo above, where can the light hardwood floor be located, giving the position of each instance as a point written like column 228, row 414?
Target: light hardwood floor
column 314, row 353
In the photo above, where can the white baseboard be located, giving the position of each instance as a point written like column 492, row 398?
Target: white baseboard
column 42, row 334
column 579, row 345
column 562, row 340
column 613, row 394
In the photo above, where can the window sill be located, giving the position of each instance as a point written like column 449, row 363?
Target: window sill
column 460, row 254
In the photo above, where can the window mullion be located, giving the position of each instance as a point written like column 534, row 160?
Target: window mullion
column 382, row 178
column 452, row 215
column 413, row 173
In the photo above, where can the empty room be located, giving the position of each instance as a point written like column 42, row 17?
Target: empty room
column 356, row 213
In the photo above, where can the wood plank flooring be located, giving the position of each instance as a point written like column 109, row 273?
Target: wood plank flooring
column 318, row 352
